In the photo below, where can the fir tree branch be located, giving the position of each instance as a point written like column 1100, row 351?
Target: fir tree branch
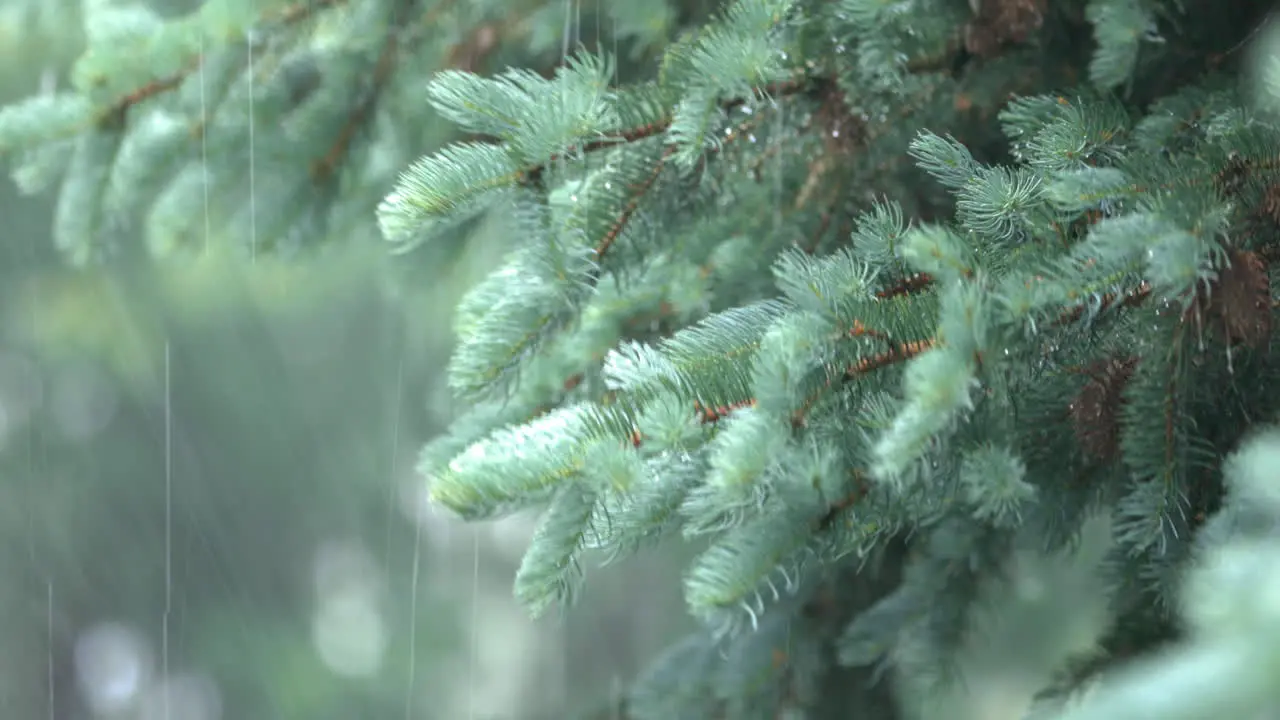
column 642, row 189
column 464, row 55
column 629, row 211
column 1130, row 298
column 910, row 349
column 900, row 353
column 362, row 112
column 118, row 109
column 1004, row 216
column 287, row 16
column 906, row 286
column 534, row 172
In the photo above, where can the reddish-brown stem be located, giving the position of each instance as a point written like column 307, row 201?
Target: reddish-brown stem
column 324, row 168
column 534, row 172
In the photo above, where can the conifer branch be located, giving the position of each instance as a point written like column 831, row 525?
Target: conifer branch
column 906, row 351
column 289, row 15
column 118, row 109
column 627, row 135
column 906, row 286
column 642, row 189
column 899, row 353
column 629, row 210
column 362, row 112
column 1130, row 298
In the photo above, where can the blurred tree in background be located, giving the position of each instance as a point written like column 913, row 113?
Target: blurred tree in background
column 207, row 461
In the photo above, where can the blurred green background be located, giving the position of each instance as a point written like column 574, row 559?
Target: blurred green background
column 208, row 465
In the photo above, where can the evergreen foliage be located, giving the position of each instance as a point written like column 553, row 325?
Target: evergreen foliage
column 944, row 326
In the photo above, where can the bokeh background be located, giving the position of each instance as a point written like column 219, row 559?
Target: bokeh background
column 207, row 466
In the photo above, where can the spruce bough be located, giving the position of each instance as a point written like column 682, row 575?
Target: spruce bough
column 961, row 397
column 943, row 326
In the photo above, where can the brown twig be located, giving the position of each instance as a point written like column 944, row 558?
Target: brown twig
column 632, row 205
column 324, row 168
column 534, row 172
column 642, row 189
column 118, row 109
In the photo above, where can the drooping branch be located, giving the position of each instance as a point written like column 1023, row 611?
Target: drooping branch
column 361, row 113
column 290, row 15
